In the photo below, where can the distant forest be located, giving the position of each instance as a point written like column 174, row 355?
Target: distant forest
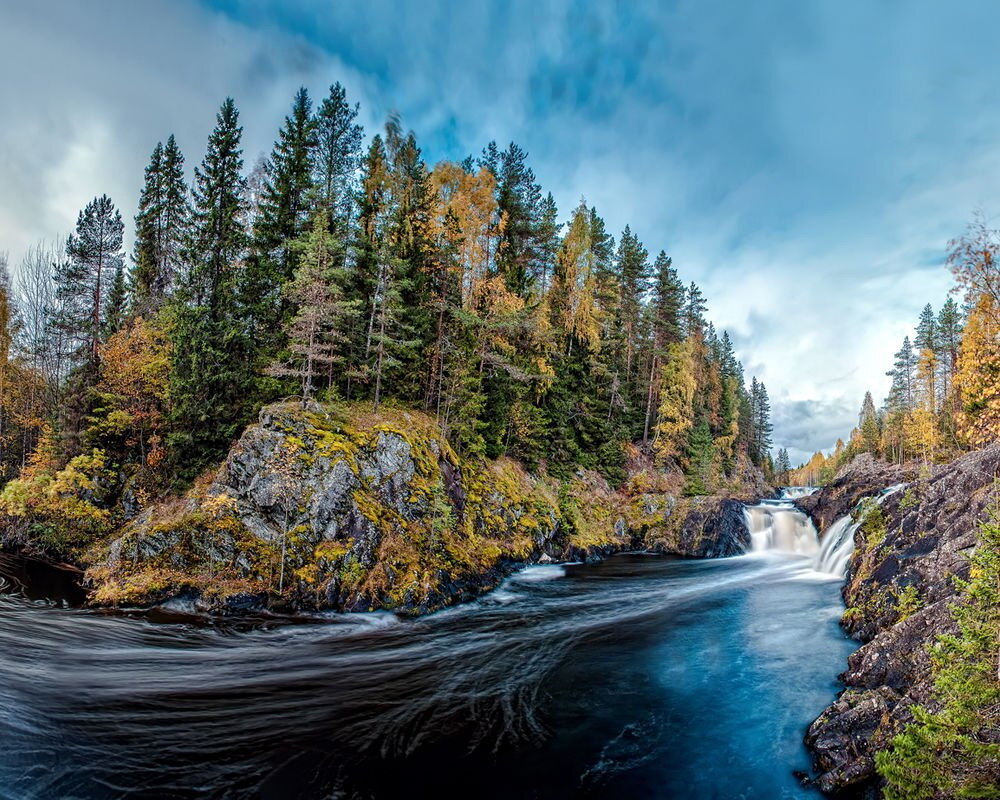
column 945, row 393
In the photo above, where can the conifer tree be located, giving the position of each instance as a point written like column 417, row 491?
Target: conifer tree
column 213, row 365
column 336, row 160
column 903, row 374
column 949, row 329
column 518, row 198
column 548, row 238
column 694, row 310
column 282, row 219
column 321, row 312
column 667, row 305
column 84, row 280
column 117, row 309
column 634, row 275
column 160, row 228
column 868, row 425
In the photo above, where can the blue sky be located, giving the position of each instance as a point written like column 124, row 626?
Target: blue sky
column 806, row 163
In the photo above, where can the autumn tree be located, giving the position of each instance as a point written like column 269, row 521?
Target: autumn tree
column 978, row 376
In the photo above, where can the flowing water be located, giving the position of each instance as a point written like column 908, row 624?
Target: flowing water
column 639, row 677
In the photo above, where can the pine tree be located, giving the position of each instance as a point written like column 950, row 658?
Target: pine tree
column 282, row 219
column 634, row 275
column 926, row 342
column 694, row 310
column 868, row 425
column 949, row 328
column 213, row 366
column 667, row 304
column 548, row 239
column 117, row 309
column 760, row 423
column 84, row 280
column 903, row 374
column 160, row 227
column 336, row 159
column 518, row 198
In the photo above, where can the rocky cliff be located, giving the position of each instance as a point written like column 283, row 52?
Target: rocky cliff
column 336, row 508
column 898, row 588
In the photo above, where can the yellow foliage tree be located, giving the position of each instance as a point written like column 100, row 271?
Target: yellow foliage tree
column 676, row 406
column 979, row 374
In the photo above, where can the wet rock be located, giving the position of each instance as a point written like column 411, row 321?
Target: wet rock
column 899, row 584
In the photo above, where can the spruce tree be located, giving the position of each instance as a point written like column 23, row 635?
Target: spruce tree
column 336, row 159
column 903, row 374
column 283, row 217
column 665, row 312
column 213, row 365
column 694, row 310
column 548, row 238
column 160, row 228
column 317, row 330
column 116, row 312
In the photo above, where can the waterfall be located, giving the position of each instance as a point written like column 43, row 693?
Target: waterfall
column 797, row 492
column 837, row 544
column 779, row 525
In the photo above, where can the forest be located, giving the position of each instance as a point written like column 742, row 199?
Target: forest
column 339, row 271
column 944, row 397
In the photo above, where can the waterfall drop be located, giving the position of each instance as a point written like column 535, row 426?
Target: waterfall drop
column 837, row 544
column 776, row 524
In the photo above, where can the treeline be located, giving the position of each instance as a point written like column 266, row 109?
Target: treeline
column 336, row 270
column 945, row 393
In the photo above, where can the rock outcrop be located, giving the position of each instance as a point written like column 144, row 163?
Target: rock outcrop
column 899, row 585
column 333, row 507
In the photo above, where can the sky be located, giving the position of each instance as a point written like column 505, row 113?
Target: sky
column 805, row 163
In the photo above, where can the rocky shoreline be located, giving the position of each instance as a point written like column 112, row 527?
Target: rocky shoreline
column 898, row 588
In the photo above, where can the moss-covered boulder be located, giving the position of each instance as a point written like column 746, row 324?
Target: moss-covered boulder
column 336, row 507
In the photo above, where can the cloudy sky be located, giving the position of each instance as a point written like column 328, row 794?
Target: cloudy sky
column 806, row 163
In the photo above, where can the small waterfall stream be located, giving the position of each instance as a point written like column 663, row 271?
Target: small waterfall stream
column 837, row 545
column 776, row 524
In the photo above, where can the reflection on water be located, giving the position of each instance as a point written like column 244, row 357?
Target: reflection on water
column 639, row 677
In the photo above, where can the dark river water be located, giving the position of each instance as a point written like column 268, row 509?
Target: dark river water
column 640, row 677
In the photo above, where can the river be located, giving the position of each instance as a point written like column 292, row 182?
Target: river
column 641, row 677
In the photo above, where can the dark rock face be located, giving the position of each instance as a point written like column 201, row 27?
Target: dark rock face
column 714, row 528
column 930, row 530
column 863, row 477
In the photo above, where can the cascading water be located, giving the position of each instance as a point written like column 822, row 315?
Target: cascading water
column 778, row 525
column 837, row 545
column 797, row 492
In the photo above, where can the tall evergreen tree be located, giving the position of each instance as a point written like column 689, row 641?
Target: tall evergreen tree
column 160, row 228
column 214, row 364
column 518, row 197
column 84, row 280
column 282, row 219
column 666, row 329
column 903, row 374
column 336, row 160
